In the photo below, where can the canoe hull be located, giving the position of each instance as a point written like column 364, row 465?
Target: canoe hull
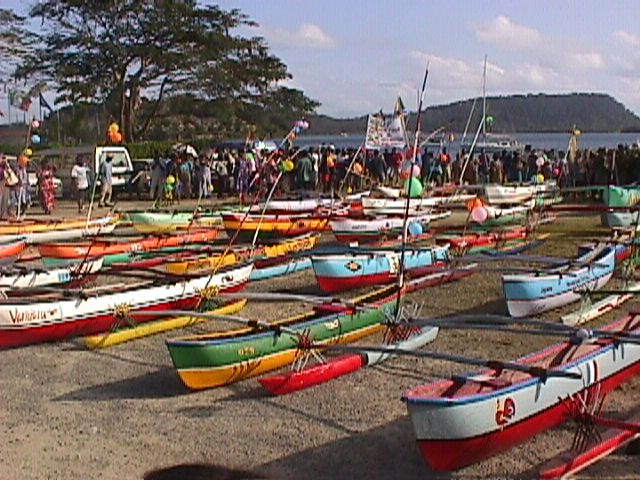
column 448, row 455
column 467, row 419
column 532, row 294
column 24, row 324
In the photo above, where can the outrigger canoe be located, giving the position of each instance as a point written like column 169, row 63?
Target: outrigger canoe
column 48, row 319
column 244, row 226
column 370, row 230
column 172, row 222
column 41, row 232
column 294, row 381
column 619, row 198
column 12, row 248
column 262, row 254
column 217, row 359
column 14, row 279
column 497, row 194
column 100, row 248
column 478, row 241
column 531, row 294
column 467, row 419
column 336, row 273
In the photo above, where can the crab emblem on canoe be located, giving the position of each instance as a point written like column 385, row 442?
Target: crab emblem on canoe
column 352, row 266
column 505, row 412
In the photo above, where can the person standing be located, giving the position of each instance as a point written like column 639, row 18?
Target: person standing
column 4, row 190
column 157, row 177
column 80, row 176
column 205, row 177
column 46, row 188
column 23, row 194
column 106, row 177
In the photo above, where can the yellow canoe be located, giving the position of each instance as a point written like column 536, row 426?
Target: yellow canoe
column 105, row 340
column 294, row 245
column 34, row 226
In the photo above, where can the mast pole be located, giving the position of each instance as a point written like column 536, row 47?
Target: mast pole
column 484, row 100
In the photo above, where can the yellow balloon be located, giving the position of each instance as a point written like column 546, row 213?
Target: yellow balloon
column 28, row 152
column 114, row 128
column 577, row 132
column 540, row 178
column 171, row 179
column 288, row 165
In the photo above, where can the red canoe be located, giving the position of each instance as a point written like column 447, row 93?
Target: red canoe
column 466, row 242
column 12, row 248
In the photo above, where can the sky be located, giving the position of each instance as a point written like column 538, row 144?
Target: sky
column 357, row 56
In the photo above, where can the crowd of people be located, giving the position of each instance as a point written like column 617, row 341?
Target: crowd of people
column 225, row 172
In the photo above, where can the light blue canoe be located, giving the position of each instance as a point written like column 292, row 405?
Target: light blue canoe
column 336, row 273
column 281, row 269
column 531, row 294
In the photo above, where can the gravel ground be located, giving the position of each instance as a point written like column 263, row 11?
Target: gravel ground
column 122, row 413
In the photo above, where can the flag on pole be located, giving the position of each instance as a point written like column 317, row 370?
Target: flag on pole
column 399, row 108
column 44, row 103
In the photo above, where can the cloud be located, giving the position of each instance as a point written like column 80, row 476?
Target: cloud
column 586, row 60
column 309, row 35
column 625, row 38
column 505, row 33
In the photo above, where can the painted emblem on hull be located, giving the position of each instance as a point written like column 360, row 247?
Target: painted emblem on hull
column 505, row 412
column 352, row 266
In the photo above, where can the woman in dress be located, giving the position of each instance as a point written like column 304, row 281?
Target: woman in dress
column 46, row 188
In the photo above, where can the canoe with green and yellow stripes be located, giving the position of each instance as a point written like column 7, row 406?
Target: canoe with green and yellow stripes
column 217, row 359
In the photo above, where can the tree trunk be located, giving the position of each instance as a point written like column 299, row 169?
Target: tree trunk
column 154, row 109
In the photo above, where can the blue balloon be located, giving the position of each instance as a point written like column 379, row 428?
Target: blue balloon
column 415, row 229
column 35, row 139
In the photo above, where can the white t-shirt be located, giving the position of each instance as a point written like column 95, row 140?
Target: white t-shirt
column 79, row 174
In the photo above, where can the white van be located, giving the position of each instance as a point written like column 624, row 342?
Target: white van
column 122, row 165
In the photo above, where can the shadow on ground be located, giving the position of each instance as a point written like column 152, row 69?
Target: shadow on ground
column 162, row 383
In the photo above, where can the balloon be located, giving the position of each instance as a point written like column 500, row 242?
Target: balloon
column 23, row 161
column 577, row 132
column 556, row 172
column 35, row 125
column 358, row 169
column 35, row 139
column 114, row 128
column 479, row 214
column 415, row 229
column 349, row 190
column 413, row 189
column 540, row 178
column 28, row 152
column 171, row 180
column 490, row 120
column 416, row 171
column 540, row 161
column 288, row 165
column 118, row 137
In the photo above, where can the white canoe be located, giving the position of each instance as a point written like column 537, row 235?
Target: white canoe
column 397, row 206
column 39, row 278
column 500, row 194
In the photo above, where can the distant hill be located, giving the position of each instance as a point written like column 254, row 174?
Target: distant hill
column 591, row 112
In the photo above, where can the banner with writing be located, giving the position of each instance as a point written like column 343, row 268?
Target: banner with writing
column 385, row 132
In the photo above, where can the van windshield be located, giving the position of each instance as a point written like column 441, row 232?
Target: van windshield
column 119, row 159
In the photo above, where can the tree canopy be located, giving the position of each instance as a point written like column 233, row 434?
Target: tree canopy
column 132, row 55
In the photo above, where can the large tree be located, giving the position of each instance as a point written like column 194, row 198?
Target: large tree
column 130, row 53
column 16, row 43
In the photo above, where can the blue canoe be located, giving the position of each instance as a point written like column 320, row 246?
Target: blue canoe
column 533, row 293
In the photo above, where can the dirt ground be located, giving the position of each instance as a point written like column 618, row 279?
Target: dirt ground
column 122, row 413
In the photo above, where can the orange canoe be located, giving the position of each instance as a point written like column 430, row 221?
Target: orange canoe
column 70, row 251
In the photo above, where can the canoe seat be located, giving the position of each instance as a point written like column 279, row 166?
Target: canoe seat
column 484, row 380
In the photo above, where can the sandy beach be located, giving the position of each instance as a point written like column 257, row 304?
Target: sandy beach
column 122, row 413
